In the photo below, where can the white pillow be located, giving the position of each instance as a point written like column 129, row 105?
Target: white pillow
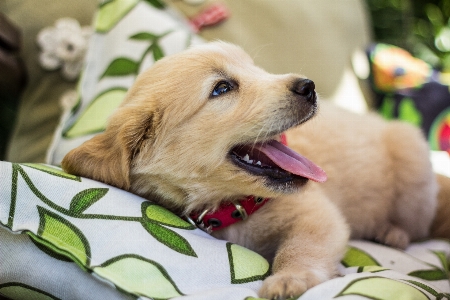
column 66, row 237
column 116, row 236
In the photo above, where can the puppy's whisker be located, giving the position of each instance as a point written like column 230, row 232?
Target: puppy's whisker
column 245, row 133
column 256, row 138
column 259, row 49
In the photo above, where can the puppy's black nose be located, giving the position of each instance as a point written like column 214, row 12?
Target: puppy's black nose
column 305, row 88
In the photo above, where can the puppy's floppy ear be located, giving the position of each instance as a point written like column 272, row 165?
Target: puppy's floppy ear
column 107, row 157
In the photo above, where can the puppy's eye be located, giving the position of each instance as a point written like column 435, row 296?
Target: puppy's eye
column 221, row 88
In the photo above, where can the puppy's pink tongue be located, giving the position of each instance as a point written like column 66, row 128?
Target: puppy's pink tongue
column 291, row 161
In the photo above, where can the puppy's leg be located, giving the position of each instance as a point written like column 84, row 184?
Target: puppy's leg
column 310, row 249
column 304, row 236
column 415, row 197
column 390, row 235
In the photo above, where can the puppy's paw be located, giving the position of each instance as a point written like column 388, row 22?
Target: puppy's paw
column 287, row 285
column 393, row 236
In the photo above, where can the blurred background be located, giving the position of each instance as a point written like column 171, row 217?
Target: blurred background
column 420, row 26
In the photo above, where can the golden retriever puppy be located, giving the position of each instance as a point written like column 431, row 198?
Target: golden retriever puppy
column 201, row 129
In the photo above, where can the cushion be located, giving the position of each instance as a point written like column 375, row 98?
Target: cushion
column 140, row 248
column 67, row 237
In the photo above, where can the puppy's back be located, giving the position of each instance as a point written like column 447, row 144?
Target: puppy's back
column 378, row 171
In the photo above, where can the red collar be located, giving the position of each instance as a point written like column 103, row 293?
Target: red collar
column 228, row 213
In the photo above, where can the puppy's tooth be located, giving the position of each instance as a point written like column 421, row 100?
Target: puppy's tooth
column 246, row 157
column 258, row 163
column 250, row 161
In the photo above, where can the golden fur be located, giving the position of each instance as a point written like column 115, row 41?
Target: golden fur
column 441, row 224
column 169, row 142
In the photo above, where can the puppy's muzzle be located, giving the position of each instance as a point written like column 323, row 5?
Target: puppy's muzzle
column 305, row 88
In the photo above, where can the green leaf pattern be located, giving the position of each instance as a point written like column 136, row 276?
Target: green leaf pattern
column 16, row 290
column 111, row 12
column 151, row 279
column 121, row 67
column 95, row 117
column 148, row 251
column 63, row 235
column 157, row 52
column 430, row 275
column 383, row 288
column 444, row 260
column 53, row 171
column 153, row 216
column 245, row 265
column 156, row 3
column 169, row 238
column 155, row 213
column 355, row 257
column 46, row 247
column 143, row 36
column 86, row 198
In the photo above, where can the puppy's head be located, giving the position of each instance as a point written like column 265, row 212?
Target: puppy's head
column 201, row 127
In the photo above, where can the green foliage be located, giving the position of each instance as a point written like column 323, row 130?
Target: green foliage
column 391, row 21
column 419, row 26
column 409, row 113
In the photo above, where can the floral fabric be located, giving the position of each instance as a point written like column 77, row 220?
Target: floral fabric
column 67, row 237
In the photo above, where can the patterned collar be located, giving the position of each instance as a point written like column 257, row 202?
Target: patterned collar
column 227, row 214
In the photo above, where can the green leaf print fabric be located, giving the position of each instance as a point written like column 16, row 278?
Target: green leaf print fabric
column 140, row 248
column 66, row 237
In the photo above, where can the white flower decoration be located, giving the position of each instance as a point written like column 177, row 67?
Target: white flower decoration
column 68, row 100
column 64, row 46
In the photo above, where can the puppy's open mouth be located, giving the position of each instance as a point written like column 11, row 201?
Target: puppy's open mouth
column 276, row 162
